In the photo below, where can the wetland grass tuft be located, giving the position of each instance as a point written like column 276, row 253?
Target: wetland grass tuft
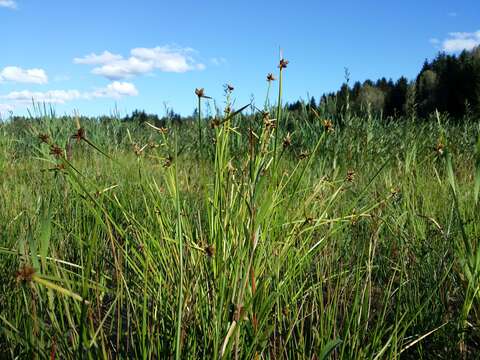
column 309, row 235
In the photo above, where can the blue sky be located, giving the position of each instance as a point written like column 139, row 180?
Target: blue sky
column 90, row 55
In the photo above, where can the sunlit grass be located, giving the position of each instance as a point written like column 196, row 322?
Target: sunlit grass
column 299, row 236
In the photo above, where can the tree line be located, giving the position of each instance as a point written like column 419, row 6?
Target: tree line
column 448, row 83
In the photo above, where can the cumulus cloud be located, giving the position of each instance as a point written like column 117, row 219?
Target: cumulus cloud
column 52, row 96
column 16, row 74
column 167, row 59
column 142, row 61
column 124, row 68
column 94, row 59
column 115, row 90
column 458, row 41
column 11, row 4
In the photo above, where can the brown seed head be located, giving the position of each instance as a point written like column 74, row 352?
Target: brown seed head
column 137, row 150
column 45, row 138
column 395, row 192
column 215, row 123
column 308, row 220
column 270, row 123
column 229, row 87
column 328, row 125
column 25, row 274
column 79, row 135
column 283, row 64
column 287, row 141
column 303, row 155
column 168, row 161
column 56, row 151
column 200, row 92
column 270, row 77
column 350, row 176
column 210, row 251
column 60, row 167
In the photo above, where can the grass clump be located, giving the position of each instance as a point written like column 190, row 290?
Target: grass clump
column 240, row 236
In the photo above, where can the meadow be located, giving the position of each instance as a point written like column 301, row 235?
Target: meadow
column 250, row 233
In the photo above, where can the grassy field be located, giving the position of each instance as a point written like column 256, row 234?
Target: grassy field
column 248, row 235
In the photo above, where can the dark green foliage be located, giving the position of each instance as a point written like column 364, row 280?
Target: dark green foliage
column 449, row 84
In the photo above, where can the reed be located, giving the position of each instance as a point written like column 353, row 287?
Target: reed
column 306, row 236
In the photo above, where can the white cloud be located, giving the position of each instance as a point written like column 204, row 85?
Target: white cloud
column 124, row 68
column 11, row 4
column 116, row 90
column 16, row 74
column 94, row 59
column 458, row 41
column 52, row 96
column 142, row 61
column 167, row 59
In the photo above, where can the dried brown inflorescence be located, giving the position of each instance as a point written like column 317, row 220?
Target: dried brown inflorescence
column 303, row 155
column 79, row 135
column 287, row 141
column 45, row 138
column 215, row 123
column 269, row 123
column 168, row 161
column 210, row 251
column 56, row 151
column 200, row 92
column 25, row 274
column 350, row 176
column 283, row 64
column 395, row 193
column 328, row 125
column 137, row 150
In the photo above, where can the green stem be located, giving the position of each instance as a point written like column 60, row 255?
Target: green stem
column 178, row 349
column 279, row 115
column 199, row 123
